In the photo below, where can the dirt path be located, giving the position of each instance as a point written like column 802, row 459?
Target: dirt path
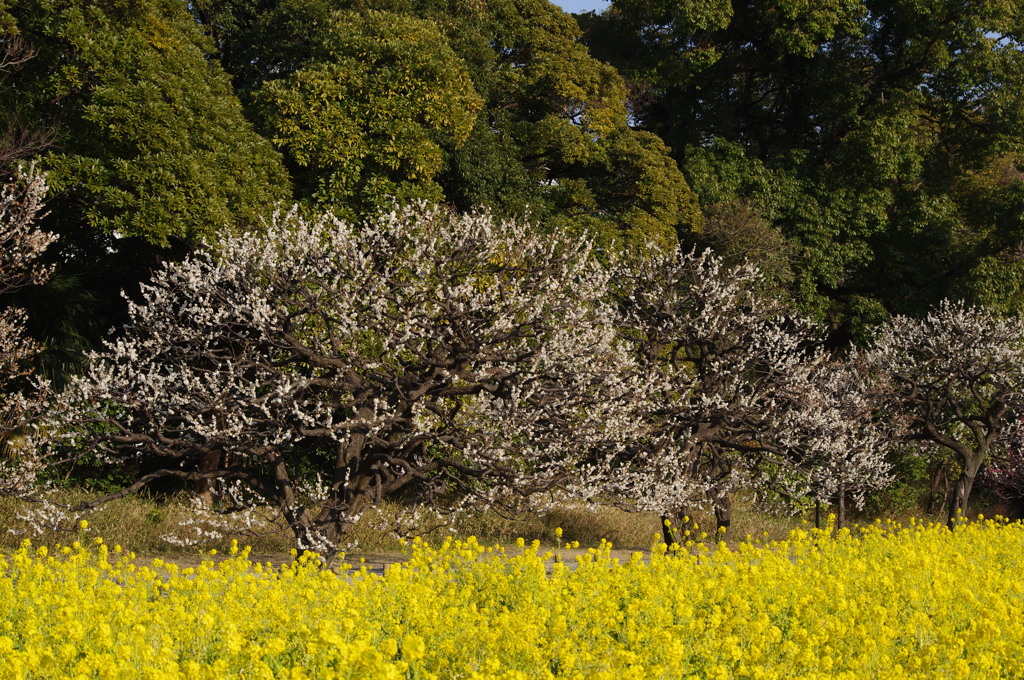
column 375, row 562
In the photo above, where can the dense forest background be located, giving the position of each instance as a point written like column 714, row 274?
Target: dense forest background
column 866, row 155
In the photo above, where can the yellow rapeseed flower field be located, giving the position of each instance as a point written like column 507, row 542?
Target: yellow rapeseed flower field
column 884, row 602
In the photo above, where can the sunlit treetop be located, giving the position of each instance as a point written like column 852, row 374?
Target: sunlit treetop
column 148, row 138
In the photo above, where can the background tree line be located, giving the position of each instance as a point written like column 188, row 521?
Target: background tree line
column 866, row 155
column 873, row 146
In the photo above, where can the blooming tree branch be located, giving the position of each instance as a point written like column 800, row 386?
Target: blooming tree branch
column 837, row 436
column 743, row 397
column 432, row 354
column 21, row 244
column 955, row 381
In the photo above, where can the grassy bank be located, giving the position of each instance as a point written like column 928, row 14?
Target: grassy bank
column 144, row 523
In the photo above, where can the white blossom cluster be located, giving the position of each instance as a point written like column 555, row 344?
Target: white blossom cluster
column 438, row 354
column 742, row 397
column 44, row 517
column 461, row 361
column 204, row 524
column 21, row 244
column 836, row 435
column 954, row 381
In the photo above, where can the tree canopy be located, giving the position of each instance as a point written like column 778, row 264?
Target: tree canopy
column 865, row 158
column 882, row 138
column 148, row 137
column 453, row 358
column 163, row 124
column 495, row 105
column 21, row 244
column 146, row 147
column 363, row 120
column 955, row 380
column 742, row 397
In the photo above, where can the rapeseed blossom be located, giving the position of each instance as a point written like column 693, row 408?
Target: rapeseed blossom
column 881, row 602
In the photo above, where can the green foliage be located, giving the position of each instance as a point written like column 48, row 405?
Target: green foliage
column 151, row 139
column 882, row 138
column 363, row 120
column 631, row 194
column 743, row 201
column 147, row 149
column 561, row 115
column 95, row 475
column 646, row 191
column 909, row 488
column 8, row 26
column 495, row 105
column 658, row 41
column 487, row 171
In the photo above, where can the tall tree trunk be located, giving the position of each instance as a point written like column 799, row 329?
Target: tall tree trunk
column 723, row 514
column 962, row 491
column 209, row 461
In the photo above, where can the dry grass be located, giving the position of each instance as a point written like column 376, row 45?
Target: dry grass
column 587, row 525
column 138, row 523
column 141, row 522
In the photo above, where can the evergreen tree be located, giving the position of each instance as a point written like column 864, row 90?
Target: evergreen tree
column 151, row 141
column 363, row 119
column 881, row 138
column 548, row 134
column 148, row 150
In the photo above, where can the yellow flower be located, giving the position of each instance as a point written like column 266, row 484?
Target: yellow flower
column 389, row 648
column 413, row 647
column 880, row 602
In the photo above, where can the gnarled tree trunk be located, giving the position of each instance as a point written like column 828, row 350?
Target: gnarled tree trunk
column 723, row 514
column 962, row 490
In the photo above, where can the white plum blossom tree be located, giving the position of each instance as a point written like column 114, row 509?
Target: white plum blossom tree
column 424, row 353
column 726, row 362
column 21, row 244
column 954, row 381
column 743, row 397
column 836, row 436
